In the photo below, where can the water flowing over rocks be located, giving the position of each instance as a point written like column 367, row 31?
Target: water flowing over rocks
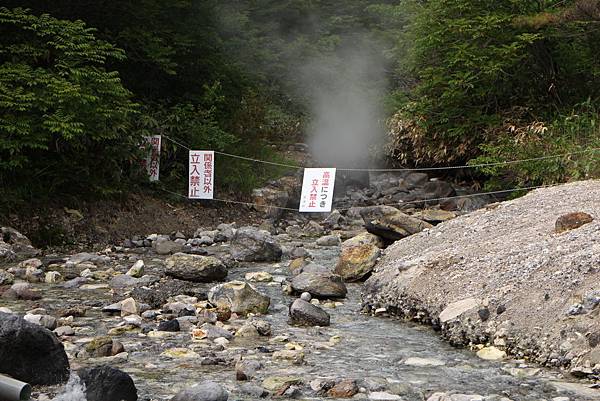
column 285, row 325
column 508, row 276
column 205, row 391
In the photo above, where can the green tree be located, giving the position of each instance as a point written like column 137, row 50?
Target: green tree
column 63, row 116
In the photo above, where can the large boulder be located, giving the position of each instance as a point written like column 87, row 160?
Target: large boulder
column 105, row 383
column 240, row 297
column 31, row 353
column 357, row 263
column 390, row 223
column 358, row 256
column 15, row 246
column 205, row 391
column 200, row 269
column 304, row 313
column 320, row 284
column 253, row 245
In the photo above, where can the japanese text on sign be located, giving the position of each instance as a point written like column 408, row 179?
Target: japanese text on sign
column 317, row 190
column 202, row 173
column 152, row 161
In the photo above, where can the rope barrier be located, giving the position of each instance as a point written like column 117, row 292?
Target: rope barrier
column 384, row 170
column 401, row 203
column 504, row 191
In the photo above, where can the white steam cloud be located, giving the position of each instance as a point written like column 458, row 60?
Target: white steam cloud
column 344, row 91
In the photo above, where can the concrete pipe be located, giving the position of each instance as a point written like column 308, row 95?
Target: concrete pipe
column 13, row 390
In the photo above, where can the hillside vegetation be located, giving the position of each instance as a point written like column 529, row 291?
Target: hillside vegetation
column 467, row 81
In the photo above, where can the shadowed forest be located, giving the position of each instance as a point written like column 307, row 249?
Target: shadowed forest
column 410, row 83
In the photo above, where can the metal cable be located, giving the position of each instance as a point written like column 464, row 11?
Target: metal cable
column 383, row 170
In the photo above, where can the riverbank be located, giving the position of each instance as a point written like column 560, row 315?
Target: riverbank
column 506, row 278
column 277, row 313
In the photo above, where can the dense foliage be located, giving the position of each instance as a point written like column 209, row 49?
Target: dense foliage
column 502, row 80
column 62, row 114
column 475, row 81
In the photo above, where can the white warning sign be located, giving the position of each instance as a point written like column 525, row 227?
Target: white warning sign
column 317, row 190
column 202, row 174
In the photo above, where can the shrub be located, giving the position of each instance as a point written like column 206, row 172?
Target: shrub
column 63, row 117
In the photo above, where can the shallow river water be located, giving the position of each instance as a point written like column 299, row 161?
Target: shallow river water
column 372, row 349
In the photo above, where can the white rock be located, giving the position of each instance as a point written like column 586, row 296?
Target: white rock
column 383, row 396
column 456, row 309
column 422, row 362
column 221, row 341
column 129, row 307
column 52, row 277
column 491, row 354
column 137, row 270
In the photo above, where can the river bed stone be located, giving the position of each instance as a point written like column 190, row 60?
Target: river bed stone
column 353, row 347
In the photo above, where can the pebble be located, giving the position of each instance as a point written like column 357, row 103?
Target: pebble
column 383, row 396
column 64, row 331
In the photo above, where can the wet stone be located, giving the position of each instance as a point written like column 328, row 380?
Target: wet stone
column 205, row 391
column 105, row 383
column 306, row 314
column 169, row 325
column 320, row 285
column 344, row 389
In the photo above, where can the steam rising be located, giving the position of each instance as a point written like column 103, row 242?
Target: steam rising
column 344, row 92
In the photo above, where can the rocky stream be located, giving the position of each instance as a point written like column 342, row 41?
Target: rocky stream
column 244, row 313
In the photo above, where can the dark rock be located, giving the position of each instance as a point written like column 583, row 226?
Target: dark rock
column 320, row 285
column 572, row 221
column 31, row 353
column 169, row 325
column 306, row 314
column 104, row 383
column 390, row 223
column 500, row 309
column 438, row 189
column 484, row 314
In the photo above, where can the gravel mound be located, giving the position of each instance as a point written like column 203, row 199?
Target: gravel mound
column 504, row 276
